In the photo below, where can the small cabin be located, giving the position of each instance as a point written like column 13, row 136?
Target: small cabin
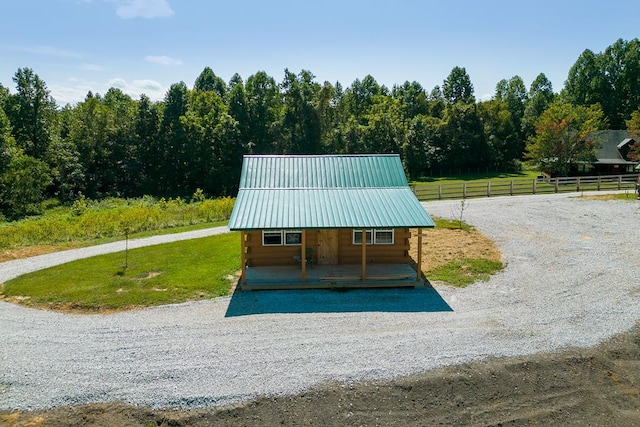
column 327, row 221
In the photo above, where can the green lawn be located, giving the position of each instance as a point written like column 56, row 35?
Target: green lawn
column 464, row 272
column 162, row 274
column 491, row 176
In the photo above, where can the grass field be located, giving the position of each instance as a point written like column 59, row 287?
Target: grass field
column 516, row 184
column 490, row 176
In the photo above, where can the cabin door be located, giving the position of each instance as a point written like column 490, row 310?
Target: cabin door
column 327, row 247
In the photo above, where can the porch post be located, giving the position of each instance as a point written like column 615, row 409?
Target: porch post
column 243, row 257
column 364, row 254
column 419, row 272
column 303, row 255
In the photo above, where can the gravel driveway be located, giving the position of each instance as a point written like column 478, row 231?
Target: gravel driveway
column 573, row 279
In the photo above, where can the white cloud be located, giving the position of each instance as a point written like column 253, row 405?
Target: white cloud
column 150, row 85
column 74, row 90
column 154, row 90
column 148, row 9
column 162, row 60
column 118, row 83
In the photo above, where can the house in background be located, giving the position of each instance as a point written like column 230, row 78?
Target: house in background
column 612, row 147
column 327, row 221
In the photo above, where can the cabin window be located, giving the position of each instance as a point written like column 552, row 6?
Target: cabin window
column 281, row 237
column 380, row 236
column 272, row 238
column 357, row 237
column 384, row 237
column 292, row 237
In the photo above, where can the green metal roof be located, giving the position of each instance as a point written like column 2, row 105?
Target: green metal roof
column 307, row 192
column 348, row 171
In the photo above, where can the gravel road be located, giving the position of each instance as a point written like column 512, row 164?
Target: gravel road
column 572, row 280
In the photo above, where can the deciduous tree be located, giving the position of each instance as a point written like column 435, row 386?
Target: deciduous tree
column 541, row 95
column 457, row 87
column 32, row 113
column 264, row 108
column 514, row 94
column 633, row 125
column 301, row 125
column 208, row 81
column 562, row 137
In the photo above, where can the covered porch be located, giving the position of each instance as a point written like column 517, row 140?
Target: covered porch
column 330, row 277
column 325, row 272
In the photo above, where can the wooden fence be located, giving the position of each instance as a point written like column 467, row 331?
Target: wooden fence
column 541, row 185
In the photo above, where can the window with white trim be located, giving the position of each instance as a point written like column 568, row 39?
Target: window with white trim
column 383, row 237
column 357, row 237
column 281, row 237
column 378, row 236
column 271, row 238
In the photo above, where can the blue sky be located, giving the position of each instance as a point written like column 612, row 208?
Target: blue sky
column 143, row 46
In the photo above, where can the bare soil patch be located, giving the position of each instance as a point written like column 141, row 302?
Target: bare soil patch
column 576, row 387
column 30, row 251
column 441, row 246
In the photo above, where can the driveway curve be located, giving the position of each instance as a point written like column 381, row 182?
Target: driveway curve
column 572, row 280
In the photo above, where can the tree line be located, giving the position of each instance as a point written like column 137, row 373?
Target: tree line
column 114, row 145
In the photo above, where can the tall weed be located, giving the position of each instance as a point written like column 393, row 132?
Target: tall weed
column 90, row 220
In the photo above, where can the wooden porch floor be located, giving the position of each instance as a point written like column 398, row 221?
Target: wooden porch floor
column 331, row 276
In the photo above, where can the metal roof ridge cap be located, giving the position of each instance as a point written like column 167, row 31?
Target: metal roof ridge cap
column 324, row 155
column 394, row 187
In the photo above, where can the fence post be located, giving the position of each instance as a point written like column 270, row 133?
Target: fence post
column 556, row 185
column 488, row 188
column 439, row 191
column 578, row 184
column 535, row 184
column 464, row 190
column 511, row 188
column 619, row 182
column 599, row 182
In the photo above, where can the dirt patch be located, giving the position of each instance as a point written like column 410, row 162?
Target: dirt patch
column 441, row 246
column 152, row 274
column 577, row 387
column 30, row 251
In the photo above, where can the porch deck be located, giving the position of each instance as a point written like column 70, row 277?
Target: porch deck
column 331, row 276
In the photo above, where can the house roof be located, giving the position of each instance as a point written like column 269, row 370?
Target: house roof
column 610, row 142
column 339, row 191
column 625, row 142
